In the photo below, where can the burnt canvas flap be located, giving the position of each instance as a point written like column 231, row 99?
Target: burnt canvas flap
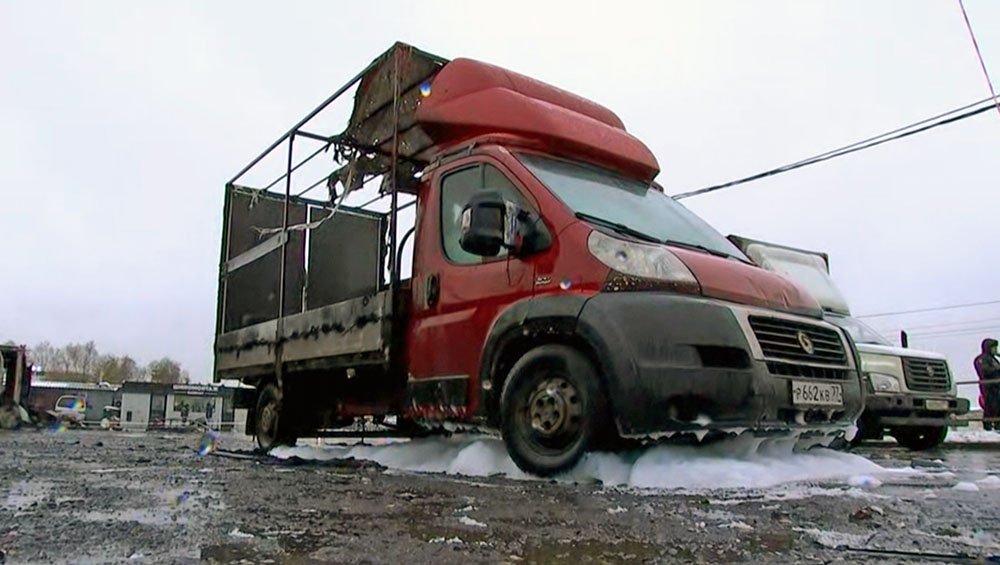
column 371, row 125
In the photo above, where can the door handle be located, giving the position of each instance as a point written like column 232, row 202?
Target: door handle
column 432, row 291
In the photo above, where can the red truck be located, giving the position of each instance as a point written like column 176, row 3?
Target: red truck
column 556, row 294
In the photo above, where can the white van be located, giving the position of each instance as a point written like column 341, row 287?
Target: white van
column 911, row 394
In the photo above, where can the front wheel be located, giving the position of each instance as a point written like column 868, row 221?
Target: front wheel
column 272, row 428
column 552, row 407
column 920, row 438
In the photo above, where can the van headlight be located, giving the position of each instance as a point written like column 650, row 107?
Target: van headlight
column 883, row 383
column 640, row 266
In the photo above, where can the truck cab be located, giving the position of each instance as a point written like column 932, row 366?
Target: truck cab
column 556, row 294
column 912, row 395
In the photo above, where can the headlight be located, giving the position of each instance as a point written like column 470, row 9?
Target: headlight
column 640, row 266
column 884, row 383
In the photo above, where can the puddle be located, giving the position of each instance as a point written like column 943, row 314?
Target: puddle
column 150, row 517
column 229, row 553
column 575, row 552
column 25, row 493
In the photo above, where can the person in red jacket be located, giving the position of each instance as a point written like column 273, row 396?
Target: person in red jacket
column 987, row 368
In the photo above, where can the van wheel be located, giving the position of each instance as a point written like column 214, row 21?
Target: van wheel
column 551, row 409
column 270, row 429
column 919, row 438
column 868, row 429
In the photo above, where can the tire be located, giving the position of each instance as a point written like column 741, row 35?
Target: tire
column 552, row 409
column 920, row 438
column 868, row 429
column 270, row 424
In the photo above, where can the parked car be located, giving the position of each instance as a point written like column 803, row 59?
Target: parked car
column 71, row 409
column 911, row 393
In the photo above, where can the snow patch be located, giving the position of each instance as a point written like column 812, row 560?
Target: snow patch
column 743, row 462
column 799, row 492
column 966, row 487
column 455, row 540
column 864, row 481
column 737, row 525
column 617, row 510
column 972, row 436
column 236, row 533
column 472, row 523
column 991, row 481
column 834, row 540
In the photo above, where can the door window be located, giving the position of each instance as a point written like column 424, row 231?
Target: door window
column 456, row 189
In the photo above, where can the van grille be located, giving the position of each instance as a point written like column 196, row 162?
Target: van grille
column 926, row 375
column 782, row 340
column 807, row 371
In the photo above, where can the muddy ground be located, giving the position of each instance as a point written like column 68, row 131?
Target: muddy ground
column 105, row 497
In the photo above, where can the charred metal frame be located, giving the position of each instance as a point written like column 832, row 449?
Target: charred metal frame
column 390, row 189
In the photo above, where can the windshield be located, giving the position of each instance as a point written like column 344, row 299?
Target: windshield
column 860, row 332
column 602, row 197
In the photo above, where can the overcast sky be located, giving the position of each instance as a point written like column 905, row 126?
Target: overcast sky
column 122, row 121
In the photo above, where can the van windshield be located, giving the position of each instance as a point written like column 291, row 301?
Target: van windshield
column 602, row 197
column 860, row 332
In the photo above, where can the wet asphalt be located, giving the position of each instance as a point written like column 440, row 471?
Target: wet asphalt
column 112, row 497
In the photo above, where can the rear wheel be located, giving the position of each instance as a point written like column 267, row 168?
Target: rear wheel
column 552, row 408
column 919, row 438
column 272, row 429
column 868, row 429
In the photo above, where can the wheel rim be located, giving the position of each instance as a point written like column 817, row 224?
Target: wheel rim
column 268, row 423
column 552, row 413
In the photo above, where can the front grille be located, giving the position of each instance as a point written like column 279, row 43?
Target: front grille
column 782, row 340
column 806, row 371
column 926, row 375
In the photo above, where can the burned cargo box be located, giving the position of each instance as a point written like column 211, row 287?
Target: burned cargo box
column 330, row 261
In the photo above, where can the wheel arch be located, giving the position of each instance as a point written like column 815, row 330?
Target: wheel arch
column 529, row 324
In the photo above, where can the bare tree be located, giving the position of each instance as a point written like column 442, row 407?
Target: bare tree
column 81, row 358
column 130, row 370
column 116, row 370
column 47, row 357
column 167, row 371
column 81, row 362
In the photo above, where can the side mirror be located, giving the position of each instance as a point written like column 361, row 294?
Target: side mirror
column 489, row 224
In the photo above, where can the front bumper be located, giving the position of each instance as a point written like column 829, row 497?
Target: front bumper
column 889, row 410
column 676, row 363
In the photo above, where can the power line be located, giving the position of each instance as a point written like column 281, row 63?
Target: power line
column 896, row 134
column 979, row 54
column 934, row 309
column 980, row 328
column 953, row 333
column 945, row 325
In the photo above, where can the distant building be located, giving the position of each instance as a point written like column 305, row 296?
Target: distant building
column 46, row 396
column 163, row 406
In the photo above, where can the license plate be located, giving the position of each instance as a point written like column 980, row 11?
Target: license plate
column 936, row 404
column 817, row 394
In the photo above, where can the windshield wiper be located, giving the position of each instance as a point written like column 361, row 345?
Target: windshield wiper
column 620, row 228
column 702, row 248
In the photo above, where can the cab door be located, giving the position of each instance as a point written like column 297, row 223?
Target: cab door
column 458, row 295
